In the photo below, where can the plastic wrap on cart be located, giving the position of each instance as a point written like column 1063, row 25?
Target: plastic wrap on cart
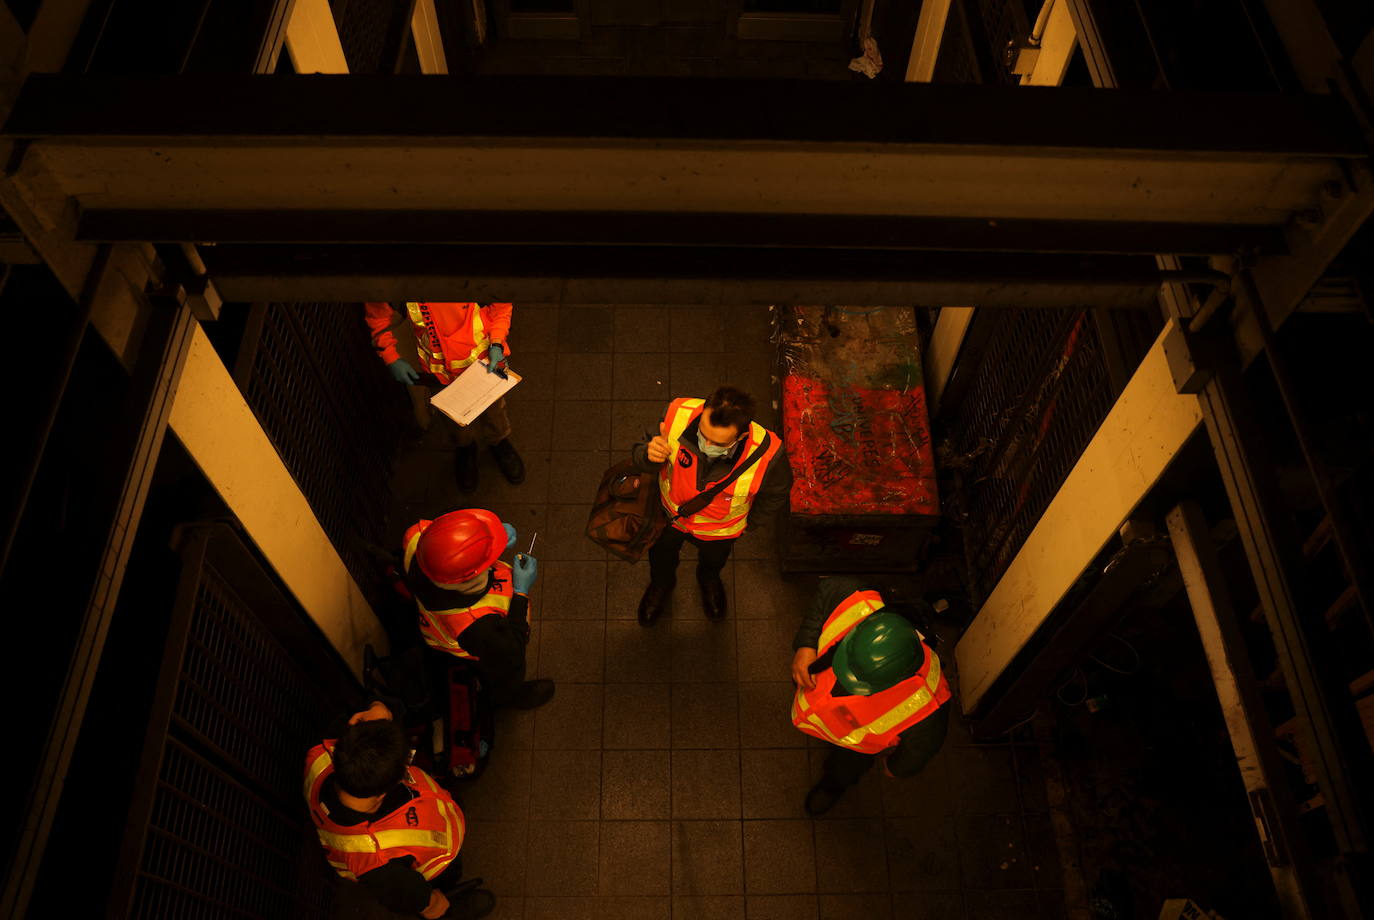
column 854, row 411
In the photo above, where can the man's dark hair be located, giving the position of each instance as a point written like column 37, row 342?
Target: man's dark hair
column 730, row 406
column 370, row 757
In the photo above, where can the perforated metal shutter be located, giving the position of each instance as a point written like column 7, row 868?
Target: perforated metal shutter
column 227, row 833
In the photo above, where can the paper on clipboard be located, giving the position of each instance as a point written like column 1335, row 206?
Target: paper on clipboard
column 472, row 391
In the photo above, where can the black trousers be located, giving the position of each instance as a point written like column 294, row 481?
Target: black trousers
column 844, row 767
column 663, row 556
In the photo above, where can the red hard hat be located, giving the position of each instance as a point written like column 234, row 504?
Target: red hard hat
column 458, row 546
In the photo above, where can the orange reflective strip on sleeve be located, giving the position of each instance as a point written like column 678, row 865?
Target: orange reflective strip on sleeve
column 854, row 608
column 314, row 769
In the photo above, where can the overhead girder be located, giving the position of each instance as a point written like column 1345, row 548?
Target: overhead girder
column 172, row 155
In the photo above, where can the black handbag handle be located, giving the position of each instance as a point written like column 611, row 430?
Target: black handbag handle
column 693, row 505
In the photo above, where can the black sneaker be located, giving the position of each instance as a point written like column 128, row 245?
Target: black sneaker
column 821, row 799
column 465, row 468
column 508, row 459
column 532, row 694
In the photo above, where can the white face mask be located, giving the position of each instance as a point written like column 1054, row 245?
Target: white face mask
column 715, row 452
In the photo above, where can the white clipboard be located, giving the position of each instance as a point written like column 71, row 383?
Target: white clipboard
column 472, row 391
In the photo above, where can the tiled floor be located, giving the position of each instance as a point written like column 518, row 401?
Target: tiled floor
column 664, row 779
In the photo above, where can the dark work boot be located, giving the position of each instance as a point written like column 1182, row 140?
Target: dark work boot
column 469, row 903
column 821, row 799
column 508, row 459
column 465, row 467
column 652, row 603
column 713, row 598
column 532, row 694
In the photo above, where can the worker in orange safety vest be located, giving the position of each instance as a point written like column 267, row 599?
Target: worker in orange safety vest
column 869, row 685
column 388, row 824
column 471, row 604
column 700, row 444
column 448, row 338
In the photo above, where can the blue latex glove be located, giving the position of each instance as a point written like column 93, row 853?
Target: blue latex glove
column 403, row 372
column 523, row 570
column 496, row 357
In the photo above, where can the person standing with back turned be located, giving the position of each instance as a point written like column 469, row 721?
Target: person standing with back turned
column 448, row 338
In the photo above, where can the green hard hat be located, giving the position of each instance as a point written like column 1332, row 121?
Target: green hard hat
column 883, row 650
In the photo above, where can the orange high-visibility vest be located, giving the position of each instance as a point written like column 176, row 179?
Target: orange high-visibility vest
column 428, row 827
column 868, row 724
column 442, row 354
column 728, row 513
column 441, row 628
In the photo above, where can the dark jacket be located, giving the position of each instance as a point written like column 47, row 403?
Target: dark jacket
column 919, row 743
column 498, row 642
column 773, row 491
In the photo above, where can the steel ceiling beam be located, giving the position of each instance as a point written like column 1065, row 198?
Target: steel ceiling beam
column 656, row 274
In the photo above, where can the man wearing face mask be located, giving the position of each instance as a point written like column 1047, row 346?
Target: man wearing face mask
column 471, row 604
column 700, row 443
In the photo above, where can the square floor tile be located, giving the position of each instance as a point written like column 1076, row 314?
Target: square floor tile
column 642, row 328
column 1001, row 905
column 705, row 716
column 531, row 423
column 706, row 784
column 983, row 780
column 631, row 420
column 415, row 471
column 641, row 376
column 585, row 329
column 582, row 424
column 850, row 855
column 779, row 857
column 625, row 585
column 571, row 590
column 992, row 852
column 565, row 786
column 599, row 908
column 583, row 377
column 637, row 654
column 637, row 716
column 635, row 785
column 572, row 650
column 564, row 858
column 752, row 372
column 1042, row 847
column 765, row 715
column 1030, row 779
column 571, row 720
column 925, row 795
column 697, row 329
column 717, row 907
column 492, row 487
column 858, row 907
column 495, row 851
column 708, row 859
column 635, row 858
column 538, row 373
column 697, row 374
column 565, row 536
column 703, row 651
column 503, row 790
column 534, row 327
column 515, row 727
column 765, row 649
column 507, row 908
column 758, row 543
column 920, row 855
column 774, row 783
column 761, row 593
column 577, row 474
column 864, row 799
column 781, row 907
column 929, row 905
